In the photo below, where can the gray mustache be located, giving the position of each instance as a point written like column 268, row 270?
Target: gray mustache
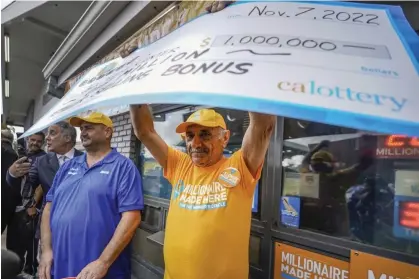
column 198, row 150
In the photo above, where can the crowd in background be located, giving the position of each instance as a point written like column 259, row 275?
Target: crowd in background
column 90, row 203
column 42, row 193
column 23, row 196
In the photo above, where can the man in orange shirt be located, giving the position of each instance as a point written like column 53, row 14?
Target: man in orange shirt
column 208, row 225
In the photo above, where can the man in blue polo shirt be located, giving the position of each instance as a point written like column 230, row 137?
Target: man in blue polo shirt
column 93, row 209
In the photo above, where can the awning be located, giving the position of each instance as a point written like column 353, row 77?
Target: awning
column 22, row 21
column 101, row 29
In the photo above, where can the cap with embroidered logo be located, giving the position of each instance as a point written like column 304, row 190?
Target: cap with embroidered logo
column 94, row 117
column 204, row 117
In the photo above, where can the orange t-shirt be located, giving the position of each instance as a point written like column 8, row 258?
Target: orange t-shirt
column 209, row 219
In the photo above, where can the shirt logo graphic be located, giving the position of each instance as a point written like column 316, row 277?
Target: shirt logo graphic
column 73, row 171
column 104, row 172
column 200, row 197
column 230, row 177
column 178, row 189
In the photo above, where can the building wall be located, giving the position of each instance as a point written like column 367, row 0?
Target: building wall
column 43, row 103
column 123, row 138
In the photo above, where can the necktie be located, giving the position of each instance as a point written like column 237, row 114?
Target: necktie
column 63, row 159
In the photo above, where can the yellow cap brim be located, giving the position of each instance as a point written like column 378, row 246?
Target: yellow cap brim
column 182, row 127
column 77, row 121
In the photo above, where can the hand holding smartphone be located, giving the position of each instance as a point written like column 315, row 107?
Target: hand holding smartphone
column 20, row 167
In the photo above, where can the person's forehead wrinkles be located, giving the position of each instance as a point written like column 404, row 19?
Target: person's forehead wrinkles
column 197, row 129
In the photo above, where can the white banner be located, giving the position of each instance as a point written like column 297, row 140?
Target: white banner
column 346, row 64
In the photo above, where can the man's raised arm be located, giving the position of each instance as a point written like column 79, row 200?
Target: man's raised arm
column 142, row 122
column 256, row 140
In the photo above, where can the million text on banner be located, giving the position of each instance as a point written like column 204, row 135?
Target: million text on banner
column 345, row 64
column 295, row 263
column 368, row 266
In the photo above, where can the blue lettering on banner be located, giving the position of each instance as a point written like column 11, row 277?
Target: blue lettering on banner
column 394, row 103
column 290, row 211
column 380, row 72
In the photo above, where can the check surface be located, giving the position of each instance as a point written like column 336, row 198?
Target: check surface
column 344, row 64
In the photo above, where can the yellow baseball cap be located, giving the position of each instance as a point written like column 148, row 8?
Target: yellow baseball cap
column 203, row 117
column 94, row 117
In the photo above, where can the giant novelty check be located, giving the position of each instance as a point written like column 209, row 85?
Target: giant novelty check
column 346, row 64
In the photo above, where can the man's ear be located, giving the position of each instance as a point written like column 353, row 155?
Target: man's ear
column 67, row 138
column 108, row 132
column 226, row 138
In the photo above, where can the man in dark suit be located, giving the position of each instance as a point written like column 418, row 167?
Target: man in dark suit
column 22, row 226
column 9, row 196
column 60, row 140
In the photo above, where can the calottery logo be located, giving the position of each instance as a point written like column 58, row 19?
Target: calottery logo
column 229, row 177
column 394, row 103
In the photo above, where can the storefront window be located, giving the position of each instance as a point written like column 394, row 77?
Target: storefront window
column 147, row 250
column 351, row 184
column 154, row 183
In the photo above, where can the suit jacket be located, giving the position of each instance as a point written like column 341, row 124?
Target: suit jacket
column 9, row 196
column 42, row 172
column 27, row 191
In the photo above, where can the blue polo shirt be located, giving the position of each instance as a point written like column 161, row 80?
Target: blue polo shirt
column 86, row 208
